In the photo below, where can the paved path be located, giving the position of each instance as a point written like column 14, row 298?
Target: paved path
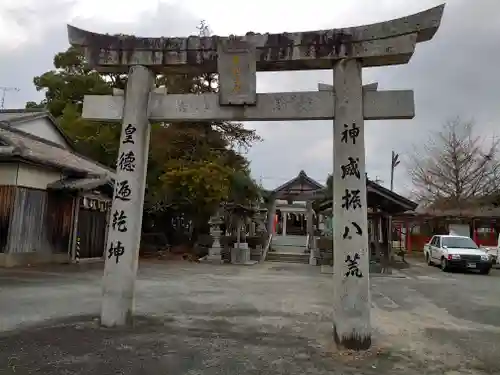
column 448, row 317
column 267, row 319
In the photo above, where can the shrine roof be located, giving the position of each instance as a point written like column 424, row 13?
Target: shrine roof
column 240, row 209
column 387, row 200
column 301, row 185
column 381, row 198
column 474, row 211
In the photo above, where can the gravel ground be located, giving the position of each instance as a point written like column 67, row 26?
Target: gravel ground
column 266, row 319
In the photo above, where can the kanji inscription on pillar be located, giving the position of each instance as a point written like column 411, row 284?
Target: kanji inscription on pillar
column 125, row 219
column 350, row 230
column 125, row 167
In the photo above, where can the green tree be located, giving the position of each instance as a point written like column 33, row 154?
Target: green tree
column 192, row 170
column 197, row 186
column 192, row 166
column 65, row 88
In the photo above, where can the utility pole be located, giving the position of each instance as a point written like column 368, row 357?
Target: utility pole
column 4, row 91
column 394, row 163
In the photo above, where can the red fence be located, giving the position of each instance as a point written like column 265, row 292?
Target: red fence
column 483, row 236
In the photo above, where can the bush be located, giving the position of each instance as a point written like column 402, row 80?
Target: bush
column 205, row 240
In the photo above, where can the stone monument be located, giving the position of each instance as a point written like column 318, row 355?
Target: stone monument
column 214, row 253
column 237, row 59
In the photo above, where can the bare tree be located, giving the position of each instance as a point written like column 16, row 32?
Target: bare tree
column 455, row 165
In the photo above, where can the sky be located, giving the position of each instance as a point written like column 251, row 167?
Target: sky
column 454, row 74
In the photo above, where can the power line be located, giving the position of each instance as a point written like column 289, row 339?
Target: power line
column 4, row 91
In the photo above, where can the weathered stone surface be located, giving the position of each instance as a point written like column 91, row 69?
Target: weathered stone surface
column 242, row 255
column 156, row 90
column 236, row 64
column 327, row 87
column 124, row 230
column 284, row 51
column 316, row 105
column 351, row 280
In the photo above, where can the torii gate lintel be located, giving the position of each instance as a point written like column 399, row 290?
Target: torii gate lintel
column 317, row 49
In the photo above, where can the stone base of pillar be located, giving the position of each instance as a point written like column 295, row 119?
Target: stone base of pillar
column 327, row 269
column 352, row 341
column 241, row 255
column 376, row 267
column 214, row 256
column 313, row 260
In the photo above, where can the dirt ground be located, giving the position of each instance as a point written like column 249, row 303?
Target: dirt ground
column 267, row 319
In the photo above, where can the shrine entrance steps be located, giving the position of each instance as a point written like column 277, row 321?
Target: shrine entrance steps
column 289, row 249
column 287, row 257
column 289, row 244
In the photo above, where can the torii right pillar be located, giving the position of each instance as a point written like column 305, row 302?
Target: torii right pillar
column 351, row 313
column 352, row 302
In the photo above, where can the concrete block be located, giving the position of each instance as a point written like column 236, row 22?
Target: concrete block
column 241, row 255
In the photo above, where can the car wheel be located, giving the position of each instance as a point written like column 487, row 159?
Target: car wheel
column 486, row 271
column 444, row 265
column 428, row 260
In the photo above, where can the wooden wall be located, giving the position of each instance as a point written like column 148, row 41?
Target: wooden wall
column 34, row 220
column 60, row 221
column 7, row 197
column 92, row 225
column 28, row 222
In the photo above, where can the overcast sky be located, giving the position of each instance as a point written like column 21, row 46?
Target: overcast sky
column 455, row 74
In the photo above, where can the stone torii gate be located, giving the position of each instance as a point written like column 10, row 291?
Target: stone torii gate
column 237, row 59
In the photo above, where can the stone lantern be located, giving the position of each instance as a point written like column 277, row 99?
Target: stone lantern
column 214, row 253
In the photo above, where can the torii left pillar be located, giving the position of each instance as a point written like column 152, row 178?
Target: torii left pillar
column 124, row 229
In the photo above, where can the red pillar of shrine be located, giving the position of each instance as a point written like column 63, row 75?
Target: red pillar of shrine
column 474, row 231
column 408, row 236
column 492, row 233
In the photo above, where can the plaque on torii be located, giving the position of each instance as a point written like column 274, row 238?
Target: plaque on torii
column 237, row 59
column 237, row 68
